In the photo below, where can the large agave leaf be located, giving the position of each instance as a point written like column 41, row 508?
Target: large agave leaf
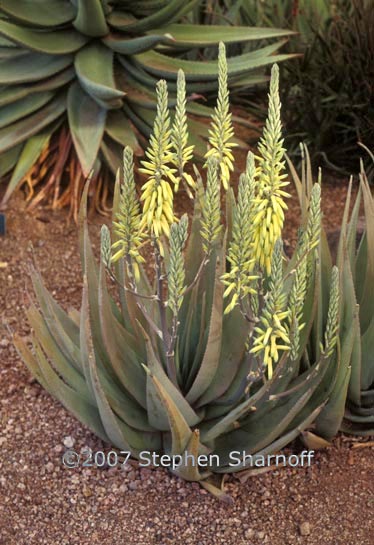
column 39, row 12
column 90, row 19
column 28, row 157
column 24, row 129
column 58, row 42
column 167, row 67
column 94, row 67
column 16, row 92
column 87, row 123
column 190, row 35
column 24, row 107
column 32, row 67
column 111, row 153
column 126, row 22
column 131, row 46
column 119, row 128
column 9, row 159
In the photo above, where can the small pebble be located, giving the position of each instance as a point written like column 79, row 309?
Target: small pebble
column 304, row 529
column 69, row 441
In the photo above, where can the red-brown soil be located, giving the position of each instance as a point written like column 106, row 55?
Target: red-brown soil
column 43, row 503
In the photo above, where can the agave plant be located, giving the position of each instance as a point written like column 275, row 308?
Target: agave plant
column 206, row 357
column 351, row 404
column 94, row 64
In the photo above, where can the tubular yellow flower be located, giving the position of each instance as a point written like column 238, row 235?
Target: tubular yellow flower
column 239, row 279
column 272, row 333
column 157, row 194
column 127, row 226
column 269, row 219
column 179, row 137
column 222, row 130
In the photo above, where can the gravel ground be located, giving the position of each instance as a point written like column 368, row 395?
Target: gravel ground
column 43, row 502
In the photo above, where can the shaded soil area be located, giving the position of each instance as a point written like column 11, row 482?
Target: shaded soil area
column 44, row 503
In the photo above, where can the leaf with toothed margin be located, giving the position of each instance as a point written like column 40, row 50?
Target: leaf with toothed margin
column 87, row 124
column 94, row 67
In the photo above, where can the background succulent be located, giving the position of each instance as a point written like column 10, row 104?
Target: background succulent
column 351, row 405
column 81, row 74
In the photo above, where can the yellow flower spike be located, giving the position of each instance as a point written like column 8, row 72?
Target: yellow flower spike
column 156, row 192
column 221, row 131
column 183, row 153
column 128, row 224
column 270, row 218
column 240, row 254
column 273, row 325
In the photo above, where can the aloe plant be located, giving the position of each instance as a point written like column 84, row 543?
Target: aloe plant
column 205, row 358
column 94, row 64
column 351, row 404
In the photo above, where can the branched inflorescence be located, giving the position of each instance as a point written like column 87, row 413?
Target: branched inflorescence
column 222, row 130
column 270, row 199
column 157, row 193
column 179, row 137
column 128, row 223
column 239, row 279
column 272, row 333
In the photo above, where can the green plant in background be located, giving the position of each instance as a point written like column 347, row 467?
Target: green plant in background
column 351, row 404
column 327, row 93
column 84, row 73
column 210, row 355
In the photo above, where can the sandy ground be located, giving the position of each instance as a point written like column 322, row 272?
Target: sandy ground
column 43, row 502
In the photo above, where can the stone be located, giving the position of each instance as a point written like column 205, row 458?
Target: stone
column 304, row 529
column 69, row 441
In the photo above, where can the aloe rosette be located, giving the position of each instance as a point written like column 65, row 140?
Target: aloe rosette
column 210, row 356
column 94, row 64
column 351, row 404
